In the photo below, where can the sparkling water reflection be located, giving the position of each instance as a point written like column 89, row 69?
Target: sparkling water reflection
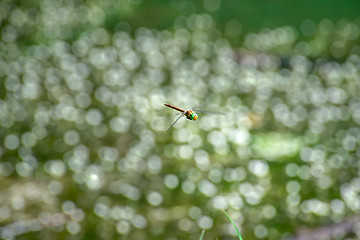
column 85, row 153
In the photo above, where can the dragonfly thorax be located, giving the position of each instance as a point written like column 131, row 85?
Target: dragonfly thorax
column 191, row 115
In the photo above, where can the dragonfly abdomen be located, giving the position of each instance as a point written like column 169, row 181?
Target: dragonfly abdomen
column 176, row 108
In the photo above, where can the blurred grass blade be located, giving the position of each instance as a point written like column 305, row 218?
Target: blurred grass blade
column 232, row 222
column 202, row 234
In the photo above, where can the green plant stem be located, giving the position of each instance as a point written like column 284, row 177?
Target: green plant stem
column 232, row 222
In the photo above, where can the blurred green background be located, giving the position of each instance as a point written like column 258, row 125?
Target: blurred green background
column 84, row 151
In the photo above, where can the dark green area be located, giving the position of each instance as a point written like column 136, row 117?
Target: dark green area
column 253, row 15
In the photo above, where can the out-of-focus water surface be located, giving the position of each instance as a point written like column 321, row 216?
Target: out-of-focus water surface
column 84, row 148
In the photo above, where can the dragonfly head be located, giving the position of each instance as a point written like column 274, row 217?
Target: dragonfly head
column 193, row 116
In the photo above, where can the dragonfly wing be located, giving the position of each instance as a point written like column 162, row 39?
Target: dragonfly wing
column 181, row 115
column 208, row 112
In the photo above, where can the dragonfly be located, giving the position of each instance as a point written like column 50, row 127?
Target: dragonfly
column 189, row 114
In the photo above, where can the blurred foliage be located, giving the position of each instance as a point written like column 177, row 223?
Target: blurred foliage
column 85, row 153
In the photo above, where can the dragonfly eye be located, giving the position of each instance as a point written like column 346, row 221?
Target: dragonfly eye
column 194, row 116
